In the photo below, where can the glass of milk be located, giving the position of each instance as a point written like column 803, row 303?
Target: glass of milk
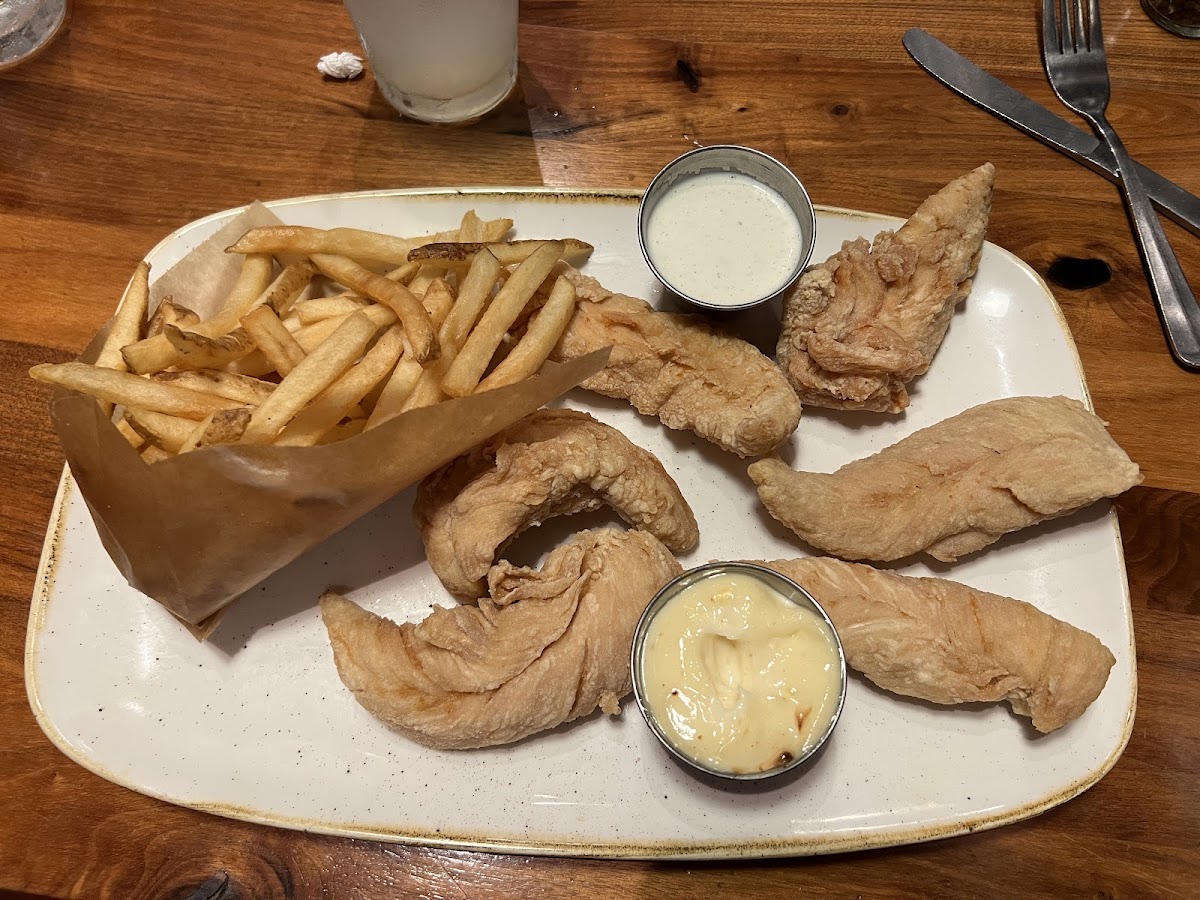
column 440, row 60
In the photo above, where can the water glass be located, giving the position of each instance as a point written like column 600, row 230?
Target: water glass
column 440, row 60
column 28, row 26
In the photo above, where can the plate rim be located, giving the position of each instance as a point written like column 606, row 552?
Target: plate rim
column 885, row 836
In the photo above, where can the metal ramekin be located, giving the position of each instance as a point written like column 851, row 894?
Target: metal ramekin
column 670, row 590
column 746, row 161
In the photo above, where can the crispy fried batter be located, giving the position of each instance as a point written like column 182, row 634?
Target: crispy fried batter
column 553, row 462
column 859, row 326
column 955, row 487
column 948, row 643
column 682, row 370
column 549, row 646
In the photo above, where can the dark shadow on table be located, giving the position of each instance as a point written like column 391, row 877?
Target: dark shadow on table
column 471, row 151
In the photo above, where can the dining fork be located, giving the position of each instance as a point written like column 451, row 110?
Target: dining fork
column 1073, row 50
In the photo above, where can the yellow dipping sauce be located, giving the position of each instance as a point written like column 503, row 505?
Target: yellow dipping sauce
column 738, row 676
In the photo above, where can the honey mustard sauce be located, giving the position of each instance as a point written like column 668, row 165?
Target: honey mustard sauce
column 738, row 676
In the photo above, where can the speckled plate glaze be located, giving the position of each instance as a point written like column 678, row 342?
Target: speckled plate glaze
column 256, row 725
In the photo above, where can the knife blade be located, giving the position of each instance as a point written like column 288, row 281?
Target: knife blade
column 968, row 80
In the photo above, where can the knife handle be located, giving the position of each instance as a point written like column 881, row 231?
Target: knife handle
column 1168, row 286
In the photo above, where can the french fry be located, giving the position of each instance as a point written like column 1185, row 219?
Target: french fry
column 343, row 431
column 226, row 427
column 317, row 308
column 253, row 286
column 438, row 300
column 127, row 323
column 135, row 440
column 539, row 339
column 208, row 347
column 472, row 228
column 509, row 252
column 400, row 385
column 317, row 371
column 366, row 247
column 253, row 366
column 194, row 436
column 197, row 351
column 170, row 313
column 151, row 454
column 403, row 273
column 398, row 298
column 473, row 295
column 381, row 315
column 309, row 336
column 276, row 342
column 335, row 402
column 428, row 389
column 156, row 353
column 285, row 289
column 250, row 391
column 168, row 432
column 129, row 390
column 472, row 361
column 424, row 277
column 362, row 246
column 493, row 229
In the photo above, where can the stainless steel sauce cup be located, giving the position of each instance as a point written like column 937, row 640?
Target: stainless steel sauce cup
column 746, row 161
column 787, row 588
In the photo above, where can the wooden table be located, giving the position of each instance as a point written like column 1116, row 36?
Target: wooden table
column 145, row 116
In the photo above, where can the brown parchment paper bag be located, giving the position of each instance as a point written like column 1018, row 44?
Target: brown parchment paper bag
column 196, row 531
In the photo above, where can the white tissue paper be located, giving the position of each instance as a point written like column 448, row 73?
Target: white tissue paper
column 340, row 65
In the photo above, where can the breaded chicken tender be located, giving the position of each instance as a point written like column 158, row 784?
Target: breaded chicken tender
column 948, row 643
column 954, row 487
column 547, row 646
column 861, row 325
column 681, row 369
column 554, row 462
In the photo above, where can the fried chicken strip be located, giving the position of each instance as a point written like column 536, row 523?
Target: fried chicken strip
column 948, row 643
column 549, row 646
column 859, row 326
column 679, row 368
column 955, row 487
column 554, row 462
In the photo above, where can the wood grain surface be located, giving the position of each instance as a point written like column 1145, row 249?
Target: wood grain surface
column 145, row 116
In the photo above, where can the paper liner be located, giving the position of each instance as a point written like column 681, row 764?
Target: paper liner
column 196, row 531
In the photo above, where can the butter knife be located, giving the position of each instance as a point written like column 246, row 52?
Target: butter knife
column 968, row 80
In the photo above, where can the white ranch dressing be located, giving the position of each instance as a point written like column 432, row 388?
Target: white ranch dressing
column 724, row 238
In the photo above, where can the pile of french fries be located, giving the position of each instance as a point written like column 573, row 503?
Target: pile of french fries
column 287, row 361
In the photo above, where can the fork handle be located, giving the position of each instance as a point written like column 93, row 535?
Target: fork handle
column 1168, row 286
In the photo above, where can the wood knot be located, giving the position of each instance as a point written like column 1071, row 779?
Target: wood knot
column 1076, row 274
column 688, row 74
column 840, row 109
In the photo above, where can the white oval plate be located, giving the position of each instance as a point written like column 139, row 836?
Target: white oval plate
column 256, row 725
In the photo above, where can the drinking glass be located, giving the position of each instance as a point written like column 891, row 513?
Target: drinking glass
column 440, row 60
column 1179, row 16
column 27, row 26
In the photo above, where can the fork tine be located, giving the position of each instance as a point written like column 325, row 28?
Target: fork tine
column 1064, row 26
column 1095, row 34
column 1081, row 34
column 1050, row 40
